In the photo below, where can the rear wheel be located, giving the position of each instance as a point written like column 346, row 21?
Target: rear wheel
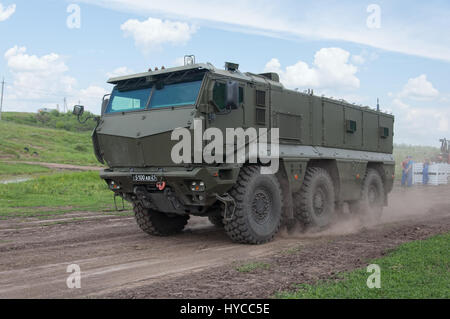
column 370, row 206
column 257, row 216
column 316, row 200
column 158, row 224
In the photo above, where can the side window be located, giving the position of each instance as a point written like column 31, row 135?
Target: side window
column 219, row 95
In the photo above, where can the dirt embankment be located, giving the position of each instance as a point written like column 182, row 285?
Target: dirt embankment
column 118, row 260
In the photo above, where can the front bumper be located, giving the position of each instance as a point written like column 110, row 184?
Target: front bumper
column 177, row 181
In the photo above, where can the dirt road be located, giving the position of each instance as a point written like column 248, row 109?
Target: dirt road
column 56, row 166
column 118, row 260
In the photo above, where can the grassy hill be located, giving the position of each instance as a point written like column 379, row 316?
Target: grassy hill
column 54, row 119
column 20, row 142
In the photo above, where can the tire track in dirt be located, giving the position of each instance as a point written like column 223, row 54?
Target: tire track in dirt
column 118, row 260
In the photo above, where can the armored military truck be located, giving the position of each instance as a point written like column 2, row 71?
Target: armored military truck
column 330, row 152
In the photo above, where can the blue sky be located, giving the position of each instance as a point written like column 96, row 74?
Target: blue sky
column 398, row 51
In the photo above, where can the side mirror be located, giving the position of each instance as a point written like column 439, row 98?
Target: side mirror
column 78, row 110
column 232, row 95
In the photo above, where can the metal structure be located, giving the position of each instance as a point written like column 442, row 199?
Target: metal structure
column 331, row 152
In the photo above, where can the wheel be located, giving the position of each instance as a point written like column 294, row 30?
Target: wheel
column 216, row 220
column 158, row 224
column 315, row 201
column 259, row 202
column 370, row 206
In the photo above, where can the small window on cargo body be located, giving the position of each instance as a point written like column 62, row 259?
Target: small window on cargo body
column 384, row 132
column 350, row 126
column 260, row 98
column 260, row 116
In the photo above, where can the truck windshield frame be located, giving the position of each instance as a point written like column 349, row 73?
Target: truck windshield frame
column 169, row 96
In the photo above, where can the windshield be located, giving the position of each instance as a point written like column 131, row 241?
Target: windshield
column 169, row 96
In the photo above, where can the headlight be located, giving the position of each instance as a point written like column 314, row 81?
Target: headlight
column 113, row 185
column 198, row 186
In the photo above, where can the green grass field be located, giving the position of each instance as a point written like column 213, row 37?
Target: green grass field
column 19, row 169
column 55, row 194
column 418, row 269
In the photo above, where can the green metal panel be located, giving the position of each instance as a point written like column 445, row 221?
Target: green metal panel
column 333, row 121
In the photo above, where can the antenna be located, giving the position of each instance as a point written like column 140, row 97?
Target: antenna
column 378, row 104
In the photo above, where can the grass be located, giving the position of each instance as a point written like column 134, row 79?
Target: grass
column 250, row 267
column 56, row 194
column 28, row 143
column 7, row 169
column 418, row 269
column 292, row 251
column 54, row 119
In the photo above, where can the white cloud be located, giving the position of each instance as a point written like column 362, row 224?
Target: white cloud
column 333, row 21
column 331, row 70
column 39, row 81
column 6, row 13
column 400, row 104
column 36, row 76
column 120, row 71
column 152, row 33
column 91, row 97
column 419, row 89
column 358, row 59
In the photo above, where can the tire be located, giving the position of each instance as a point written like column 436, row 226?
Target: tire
column 216, row 220
column 370, row 207
column 316, row 199
column 259, row 203
column 158, row 224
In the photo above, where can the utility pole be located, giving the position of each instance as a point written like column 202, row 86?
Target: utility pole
column 65, row 105
column 1, row 100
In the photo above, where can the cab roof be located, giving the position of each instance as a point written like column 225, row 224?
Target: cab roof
column 249, row 77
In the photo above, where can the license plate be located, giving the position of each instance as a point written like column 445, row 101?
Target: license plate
column 145, row 178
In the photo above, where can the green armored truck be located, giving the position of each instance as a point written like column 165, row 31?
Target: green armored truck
column 329, row 152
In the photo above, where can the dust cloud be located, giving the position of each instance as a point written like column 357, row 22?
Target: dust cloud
column 405, row 204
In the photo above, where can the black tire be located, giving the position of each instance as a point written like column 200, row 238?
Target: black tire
column 158, row 224
column 370, row 207
column 216, row 220
column 259, row 203
column 316, row 200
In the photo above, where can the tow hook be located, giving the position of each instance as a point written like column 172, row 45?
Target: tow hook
column 229, row 202
column 115, row 203
column 161, row 185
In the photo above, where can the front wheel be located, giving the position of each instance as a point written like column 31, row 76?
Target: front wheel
column 257, row 215
column 158, row 224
